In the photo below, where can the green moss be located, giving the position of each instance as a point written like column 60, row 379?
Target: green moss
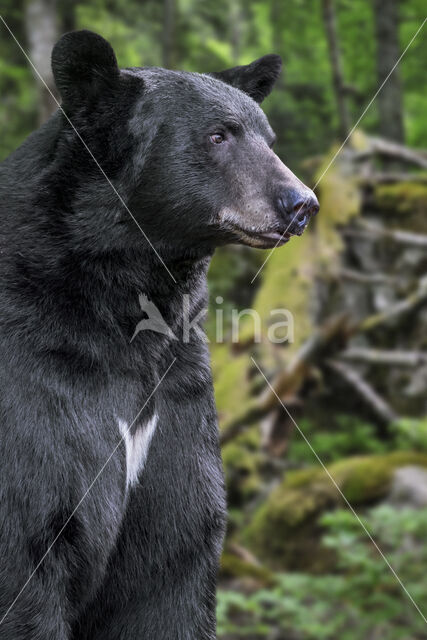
column 233, row 567
column 404, row 203
column 368, row 478
column 287, row 283
column 301, row 478
column 231, row 382
column 242, row 464
column 340, row 200
column 285, row 526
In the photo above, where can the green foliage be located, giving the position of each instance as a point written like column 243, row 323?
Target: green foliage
column 213, row 35
column 412, row 15
column 350, row 437
column 17, row 115
column 131, row 30
column 411, row 433
column 361, row 600
column 232, row 384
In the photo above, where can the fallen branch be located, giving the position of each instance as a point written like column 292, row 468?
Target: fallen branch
column 364, row 278
column 367, row 393
column 403, row 237
column 378, row 356
column 243, row 554
column 352, row 232
column 395, row 311
column 376, row 178
column 372, row 232
column 393, row 150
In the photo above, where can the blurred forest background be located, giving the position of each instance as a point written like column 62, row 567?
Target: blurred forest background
column 297, row 563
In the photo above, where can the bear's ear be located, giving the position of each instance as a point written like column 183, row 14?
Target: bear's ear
column 256, row 79
column 83, row 63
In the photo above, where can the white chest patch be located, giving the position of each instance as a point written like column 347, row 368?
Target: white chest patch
column 137, row 447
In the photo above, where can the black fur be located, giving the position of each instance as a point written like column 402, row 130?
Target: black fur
column 137, row 563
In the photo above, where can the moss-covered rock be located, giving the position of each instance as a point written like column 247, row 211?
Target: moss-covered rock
column 234, row 568
column 285, row 530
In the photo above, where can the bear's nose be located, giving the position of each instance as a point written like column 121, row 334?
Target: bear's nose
column 297, row 208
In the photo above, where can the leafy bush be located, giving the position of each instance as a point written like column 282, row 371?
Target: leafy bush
column 411, row 433
column 351, row 436
column 362, row 600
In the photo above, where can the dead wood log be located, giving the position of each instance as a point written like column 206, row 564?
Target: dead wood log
column 364, row 390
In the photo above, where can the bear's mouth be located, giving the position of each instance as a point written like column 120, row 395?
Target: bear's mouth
column 260, row 238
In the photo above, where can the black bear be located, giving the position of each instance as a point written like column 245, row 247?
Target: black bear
column 112, row 496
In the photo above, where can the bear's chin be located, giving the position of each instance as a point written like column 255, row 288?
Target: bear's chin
column 267, row 241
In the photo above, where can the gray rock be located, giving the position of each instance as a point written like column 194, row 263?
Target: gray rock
column 409, row 487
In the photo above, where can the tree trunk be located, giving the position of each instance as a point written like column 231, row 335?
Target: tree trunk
column 390, row 97
column 67, row 17
column 337, row 74
column 168, row 34
column 235, row 30
column 41, row 26
column 276, row 26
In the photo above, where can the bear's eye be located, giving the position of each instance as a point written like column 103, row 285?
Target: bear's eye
column 216, row 138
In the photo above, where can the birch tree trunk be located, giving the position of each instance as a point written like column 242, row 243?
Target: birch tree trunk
column 41, row 26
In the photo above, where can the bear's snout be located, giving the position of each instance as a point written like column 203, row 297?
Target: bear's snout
column 296, row 208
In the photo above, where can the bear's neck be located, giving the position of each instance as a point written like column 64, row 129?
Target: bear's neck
column 92, row 305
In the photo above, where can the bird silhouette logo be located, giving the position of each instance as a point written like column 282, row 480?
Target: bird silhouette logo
column 154, row 322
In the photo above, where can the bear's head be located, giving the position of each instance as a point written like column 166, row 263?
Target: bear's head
column 190, row 154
